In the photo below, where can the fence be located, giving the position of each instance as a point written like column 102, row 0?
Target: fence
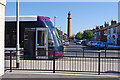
column 78, row 61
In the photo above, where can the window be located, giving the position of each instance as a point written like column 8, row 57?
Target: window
column 114, row 30
column 10, row 37
column 108, row 31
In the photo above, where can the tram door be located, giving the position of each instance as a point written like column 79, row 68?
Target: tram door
column 41, row 42
column 29, row 43
column 35, row 43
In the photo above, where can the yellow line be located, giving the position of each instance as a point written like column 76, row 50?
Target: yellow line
column 73, row 73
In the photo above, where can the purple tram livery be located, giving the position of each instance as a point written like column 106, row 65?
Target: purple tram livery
column 38, row 36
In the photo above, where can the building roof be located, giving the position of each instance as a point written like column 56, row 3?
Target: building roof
column 104, row 28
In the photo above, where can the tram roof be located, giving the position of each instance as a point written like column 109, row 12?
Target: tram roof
column 27, row 18
column 21, row 18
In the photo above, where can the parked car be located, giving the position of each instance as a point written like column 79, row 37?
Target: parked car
column 84, row 42
column 94, row 44
column 78, row 42
column 88, row 43
column 102, row 45
column 66, row 42
column 75, row 40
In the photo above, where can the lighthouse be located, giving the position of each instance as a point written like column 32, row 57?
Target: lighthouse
column 69, row 25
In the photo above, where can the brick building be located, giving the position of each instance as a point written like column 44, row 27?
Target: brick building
column 108, row 33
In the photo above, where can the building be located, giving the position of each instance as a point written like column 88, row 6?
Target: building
column 2, row 24
column 118, row 23
column 109, row 34
column 118, row 32
column 96, row 33
column 112, row 36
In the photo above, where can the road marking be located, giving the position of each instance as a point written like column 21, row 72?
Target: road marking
column 72, row 74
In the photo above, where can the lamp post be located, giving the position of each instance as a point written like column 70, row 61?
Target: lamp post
column 17, row 45
column 54, row 20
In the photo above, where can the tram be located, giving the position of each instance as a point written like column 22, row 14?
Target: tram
column 38, row 36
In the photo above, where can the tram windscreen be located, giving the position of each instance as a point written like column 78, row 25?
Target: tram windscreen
column 52, row 30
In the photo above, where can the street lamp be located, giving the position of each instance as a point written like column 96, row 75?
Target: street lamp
column 54, row 20
column 17, row 45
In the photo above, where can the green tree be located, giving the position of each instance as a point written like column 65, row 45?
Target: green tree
column 87, row 34
column 58, row 31
column 72, row 37
column 78, row 35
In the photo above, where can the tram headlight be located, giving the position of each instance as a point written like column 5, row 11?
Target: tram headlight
column 51, row 43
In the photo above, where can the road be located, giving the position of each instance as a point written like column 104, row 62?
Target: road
column 77, row 50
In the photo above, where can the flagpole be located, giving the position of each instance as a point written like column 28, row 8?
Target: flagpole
column 17, row 45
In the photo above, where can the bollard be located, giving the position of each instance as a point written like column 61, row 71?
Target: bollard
column 10, row 61
column 54, row 62
column 99, row 63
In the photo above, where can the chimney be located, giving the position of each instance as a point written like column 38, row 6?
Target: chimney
column 113, row 22
column 106, row 24
column 101, row 27
column 97, row 27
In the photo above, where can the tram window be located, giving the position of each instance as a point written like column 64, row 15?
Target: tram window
column 10, row 38
column 40, row 37
column 54, row 33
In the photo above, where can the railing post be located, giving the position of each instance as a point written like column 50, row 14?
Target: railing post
column 10, row 61
column 83, row 52
column 105, row 50
column 99, row 63
column 53, row 61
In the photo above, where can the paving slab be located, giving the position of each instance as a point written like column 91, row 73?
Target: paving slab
column 58, row 75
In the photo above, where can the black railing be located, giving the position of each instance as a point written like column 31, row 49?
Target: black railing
column 77, row 61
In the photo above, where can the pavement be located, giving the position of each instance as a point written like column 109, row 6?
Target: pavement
column 59, row 75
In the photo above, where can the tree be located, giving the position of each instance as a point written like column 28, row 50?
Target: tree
column 58, row 31
column 78, row 35
column 72, row 37
column 87, row 34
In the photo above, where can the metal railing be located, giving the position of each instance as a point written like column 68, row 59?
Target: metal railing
column 79, row 61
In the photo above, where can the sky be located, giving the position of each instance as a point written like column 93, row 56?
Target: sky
column 85, row 15
column 64, row 0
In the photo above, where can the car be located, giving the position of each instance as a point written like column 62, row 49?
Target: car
column 102, row 45
column 78, row 42
column 88, row 43
column 83, row 42
column 94, row 44
column 66, row 42
column 75, row 40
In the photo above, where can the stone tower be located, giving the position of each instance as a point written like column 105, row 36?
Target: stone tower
column 69, row 25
